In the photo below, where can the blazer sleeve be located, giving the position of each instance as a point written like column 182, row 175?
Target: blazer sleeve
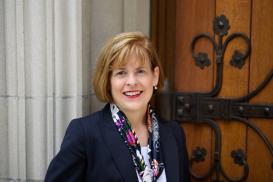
column 183, row 158
column 70, row 163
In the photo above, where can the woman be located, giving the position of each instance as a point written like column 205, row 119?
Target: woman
column 125, row 141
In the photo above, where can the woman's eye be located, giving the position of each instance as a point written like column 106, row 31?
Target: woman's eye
column 141, row 71
column 120, row 73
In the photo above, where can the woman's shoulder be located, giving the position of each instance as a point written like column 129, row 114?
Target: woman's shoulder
column 91, row 120
column 174, row 126
column 169, row 123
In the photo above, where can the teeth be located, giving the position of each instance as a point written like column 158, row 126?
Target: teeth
column 132, row 93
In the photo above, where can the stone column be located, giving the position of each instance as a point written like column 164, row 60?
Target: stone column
column 48, row 49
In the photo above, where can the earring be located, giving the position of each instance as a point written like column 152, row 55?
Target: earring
column 155, row 87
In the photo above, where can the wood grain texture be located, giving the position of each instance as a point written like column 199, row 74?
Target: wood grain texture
column 259, row 157
column 194, row 17
column 179, row 26
column 162, row 35
column 154, row 23
column 235, row 81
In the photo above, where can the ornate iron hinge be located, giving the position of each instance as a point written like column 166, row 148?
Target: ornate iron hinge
column 206, row 107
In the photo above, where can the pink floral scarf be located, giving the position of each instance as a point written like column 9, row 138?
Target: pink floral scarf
column 146, row 173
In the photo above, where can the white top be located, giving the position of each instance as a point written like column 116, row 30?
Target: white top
column 144, row 152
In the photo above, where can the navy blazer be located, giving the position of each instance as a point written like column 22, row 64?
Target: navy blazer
column 92, row 150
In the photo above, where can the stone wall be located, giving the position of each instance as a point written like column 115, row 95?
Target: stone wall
column 48, row 50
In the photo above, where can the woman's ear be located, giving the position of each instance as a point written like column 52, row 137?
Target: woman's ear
column 156, row 76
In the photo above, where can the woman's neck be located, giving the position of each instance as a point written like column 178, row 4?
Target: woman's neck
column 137, row 119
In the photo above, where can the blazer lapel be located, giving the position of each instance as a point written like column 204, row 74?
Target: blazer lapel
column 170, row 150
column 119, row 151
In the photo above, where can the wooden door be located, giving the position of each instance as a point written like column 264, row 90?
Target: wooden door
column 174, row 25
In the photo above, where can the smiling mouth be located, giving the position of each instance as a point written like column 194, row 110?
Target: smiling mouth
column 132, row 94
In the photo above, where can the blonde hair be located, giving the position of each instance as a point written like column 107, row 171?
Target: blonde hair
column 115, row 53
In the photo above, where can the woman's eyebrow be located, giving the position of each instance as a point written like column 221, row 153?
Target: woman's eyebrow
column 141, row 67
column 119, row 69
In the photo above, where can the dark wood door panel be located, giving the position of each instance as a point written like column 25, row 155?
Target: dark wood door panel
column 239, row 140
column 259, row 157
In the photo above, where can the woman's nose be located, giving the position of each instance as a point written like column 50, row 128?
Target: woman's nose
column 132, row 79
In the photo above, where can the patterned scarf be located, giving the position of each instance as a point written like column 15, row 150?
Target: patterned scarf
column 146, row 173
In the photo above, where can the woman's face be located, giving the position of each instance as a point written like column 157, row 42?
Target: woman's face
column 132, row 85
